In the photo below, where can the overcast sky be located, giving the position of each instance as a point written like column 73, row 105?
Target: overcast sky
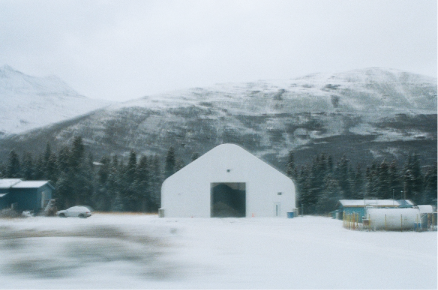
column 121, row 50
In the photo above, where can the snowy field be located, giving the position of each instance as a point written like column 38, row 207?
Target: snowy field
column 144, row 251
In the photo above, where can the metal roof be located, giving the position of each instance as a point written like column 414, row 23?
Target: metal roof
column 30, row 184
column 18, row 183
column 8, row 183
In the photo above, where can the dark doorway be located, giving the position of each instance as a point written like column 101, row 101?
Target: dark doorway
column 228, row 200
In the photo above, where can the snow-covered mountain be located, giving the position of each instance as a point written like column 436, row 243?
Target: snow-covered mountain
column 367, row 113
column 28, row 102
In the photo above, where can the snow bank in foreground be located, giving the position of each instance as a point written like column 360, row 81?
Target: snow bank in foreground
column 140, row 251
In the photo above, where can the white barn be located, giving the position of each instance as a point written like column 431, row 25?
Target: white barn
column 227, row 181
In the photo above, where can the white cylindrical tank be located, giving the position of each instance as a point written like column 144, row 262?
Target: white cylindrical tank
column 393, row 218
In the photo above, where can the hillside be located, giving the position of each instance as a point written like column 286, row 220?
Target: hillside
column 370, row 113
column 29, row 102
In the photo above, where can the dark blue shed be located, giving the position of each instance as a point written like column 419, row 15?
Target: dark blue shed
column 25, row 195
column 5, row 189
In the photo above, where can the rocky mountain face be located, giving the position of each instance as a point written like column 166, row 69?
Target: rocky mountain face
column 28, row 102
column 364, row 114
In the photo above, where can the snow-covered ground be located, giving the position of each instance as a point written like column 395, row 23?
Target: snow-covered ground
column 144, row 251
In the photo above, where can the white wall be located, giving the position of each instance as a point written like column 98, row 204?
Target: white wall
column 187, row 192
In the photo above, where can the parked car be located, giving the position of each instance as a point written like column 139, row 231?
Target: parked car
column 75, row 211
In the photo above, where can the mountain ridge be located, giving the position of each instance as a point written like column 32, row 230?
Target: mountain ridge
column 369, row 113
column 32, row 102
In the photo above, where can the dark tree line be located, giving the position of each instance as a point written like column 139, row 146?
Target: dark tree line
column 114, row 184
column 111, row 184
column 322, row 182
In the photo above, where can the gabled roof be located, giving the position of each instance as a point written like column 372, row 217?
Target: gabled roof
column 374, row 202
column 8, row 183
column 31, row 184
column 18, row 183
column 229, row 153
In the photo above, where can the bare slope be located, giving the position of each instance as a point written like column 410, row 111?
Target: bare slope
column 29, row 102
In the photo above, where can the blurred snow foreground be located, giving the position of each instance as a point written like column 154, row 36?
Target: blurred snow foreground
column 143, row 251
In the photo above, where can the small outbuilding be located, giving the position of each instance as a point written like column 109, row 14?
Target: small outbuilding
column 358, row 206
column 227, row 181
column 25, row 195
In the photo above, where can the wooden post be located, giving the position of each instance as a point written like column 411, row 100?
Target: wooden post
column 369, row 222
column 401, row 223
column 343, row 219
column 417, row 226
column 353, row 217
column 433, row 220
column 357, row 221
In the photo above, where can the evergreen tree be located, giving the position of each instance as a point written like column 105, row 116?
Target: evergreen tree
column 76, row 174
column 2, row 170
column 179, row 164
column 358, row 184
column 129, row 192
column 64, row 159
column 383, row 185
column 343, row 175
column 39, row 169
column 195, row 156
column 118, row 203
column 330, row 164
column 169, row 167
column 430, row 185
column 64, row 191
column 101, row 197
column 83, row 181
column 328, row 200
column 13, row 168
column 113, row 184
column 76, row 153
column 142, row 184
column 413, row 179
column 28, row 167
column 315, row 183
column 395, row 181
column 306, row 199
column 291, row 170
column 52, row 169
column 47, row 155
column 371, row 182
column 155, row 185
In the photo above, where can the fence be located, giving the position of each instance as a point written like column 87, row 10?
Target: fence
column 351, row 221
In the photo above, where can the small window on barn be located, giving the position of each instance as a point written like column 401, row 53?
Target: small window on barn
column 279, row 193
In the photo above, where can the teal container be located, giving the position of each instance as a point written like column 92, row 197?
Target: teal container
column 290, row 214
